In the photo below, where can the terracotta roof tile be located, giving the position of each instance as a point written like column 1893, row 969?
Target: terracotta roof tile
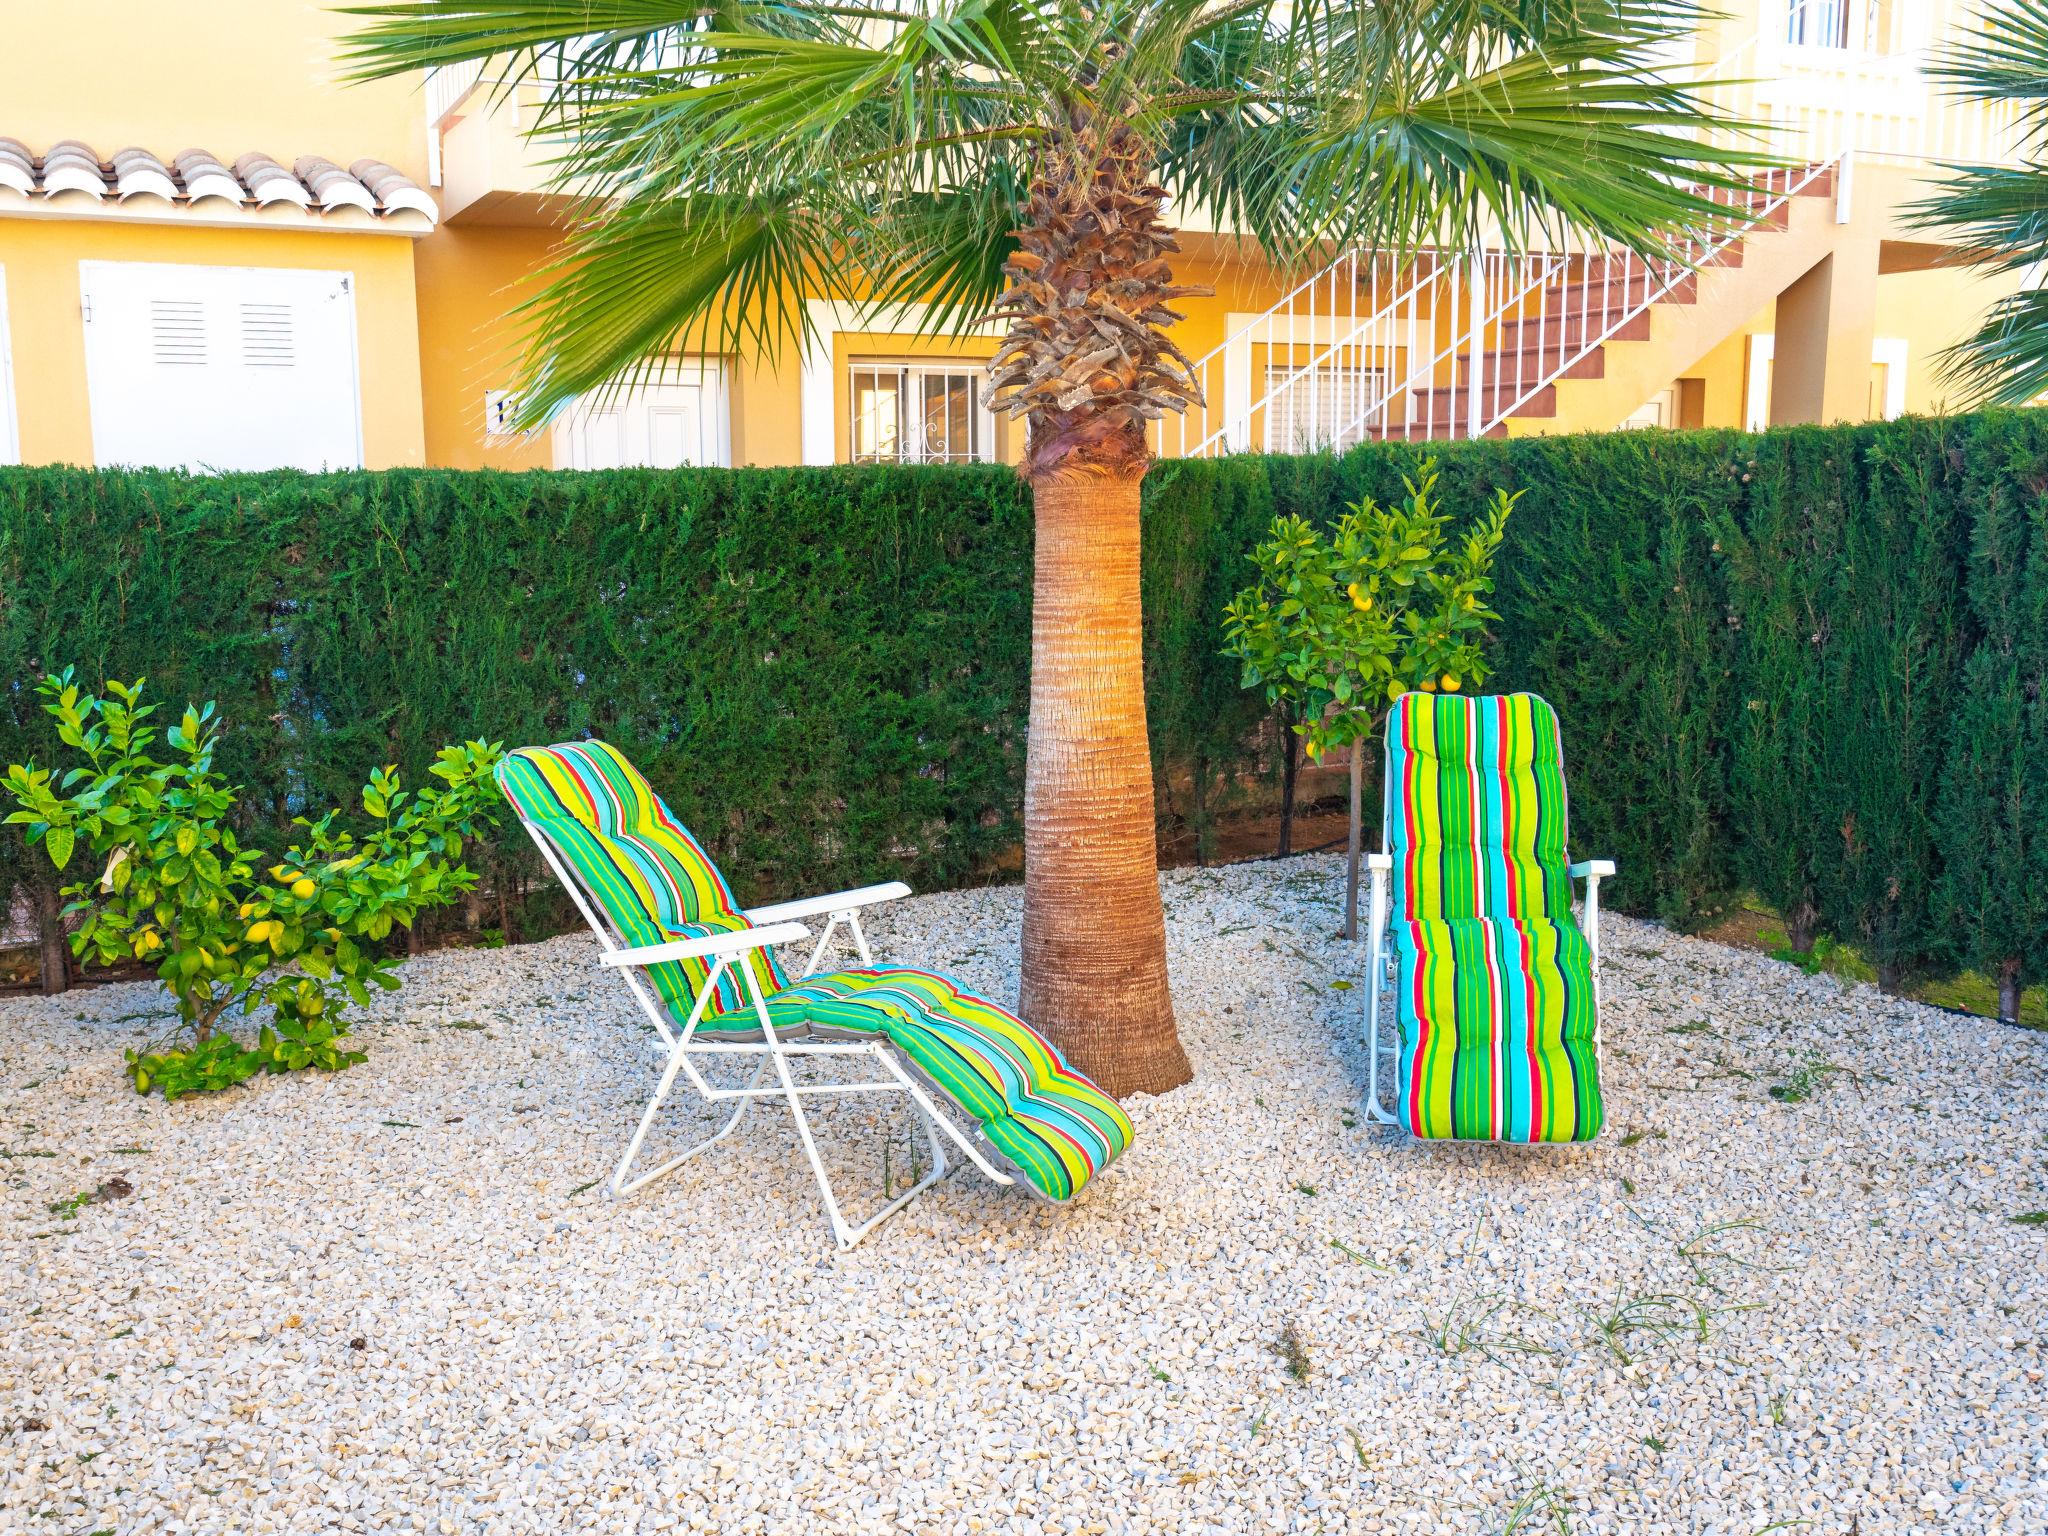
column 194, row 176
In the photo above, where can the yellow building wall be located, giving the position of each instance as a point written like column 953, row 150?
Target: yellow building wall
column 47, row 330
column 1932, row 310
column 1928, row 310
column 470, row 278
column 228, row 76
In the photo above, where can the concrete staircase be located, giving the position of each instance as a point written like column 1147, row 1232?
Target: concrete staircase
column 1494, row 343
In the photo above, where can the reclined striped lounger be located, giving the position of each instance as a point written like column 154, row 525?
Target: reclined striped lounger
column 1496, row 988
column 707, row 976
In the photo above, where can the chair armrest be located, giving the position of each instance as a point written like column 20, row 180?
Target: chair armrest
column 1585, row 867
column 815, row 906
column 711, row 944
column 1379, row 861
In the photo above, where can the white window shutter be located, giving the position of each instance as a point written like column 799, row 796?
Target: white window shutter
column 225, row 368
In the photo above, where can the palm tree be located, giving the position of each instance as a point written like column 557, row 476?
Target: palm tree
column 1014, row 159
column 1999, row 213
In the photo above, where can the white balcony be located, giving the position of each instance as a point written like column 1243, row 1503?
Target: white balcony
column 487, row 165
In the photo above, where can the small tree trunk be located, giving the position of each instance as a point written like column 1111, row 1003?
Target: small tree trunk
column 1094, row 952
column 1290, row 765
column 56, row 948
column 2009, row 992
column 416, row 935
column 1355, row 848
column 1799, row 927
column 1890, row 977
column 504, row 885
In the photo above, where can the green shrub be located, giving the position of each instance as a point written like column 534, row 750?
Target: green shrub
column 824, row 670
column 174, row 884
column 1336, row 626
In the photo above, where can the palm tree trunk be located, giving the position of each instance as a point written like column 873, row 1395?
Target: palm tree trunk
column 1094, row 957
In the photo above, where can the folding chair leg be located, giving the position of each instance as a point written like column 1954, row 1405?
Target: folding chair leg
column 619, row 1184
column 1375, row 1106
column 845, row 1232
column 1376, row 983
column 933, row 1118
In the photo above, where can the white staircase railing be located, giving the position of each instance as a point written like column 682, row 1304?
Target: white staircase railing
column 1443, row 345
column 1606, row 290
column 1322, row 346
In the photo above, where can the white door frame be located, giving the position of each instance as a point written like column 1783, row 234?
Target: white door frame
column 818, row 380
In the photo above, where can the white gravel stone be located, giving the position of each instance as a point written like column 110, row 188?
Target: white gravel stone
column 1816, row 1312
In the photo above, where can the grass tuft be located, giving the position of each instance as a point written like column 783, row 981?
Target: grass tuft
column 1293, row 1348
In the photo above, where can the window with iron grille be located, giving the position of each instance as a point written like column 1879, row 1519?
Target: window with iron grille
column 1327, row 406
column 913, row 413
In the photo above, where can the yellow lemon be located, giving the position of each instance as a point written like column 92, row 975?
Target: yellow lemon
column 258, row 932
column 303, row 888
column 247, row 908
column 277, row 872
column 333, row 935
column 1450, row 682
column 1360, row 598
column 1428, row 686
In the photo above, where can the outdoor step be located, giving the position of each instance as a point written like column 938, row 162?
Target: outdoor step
column 1622, row 291
column 1452, row 402
column 1423, row 432
column 1568, row 331
column 1524, row 367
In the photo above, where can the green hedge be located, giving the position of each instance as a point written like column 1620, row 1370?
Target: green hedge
column 1810, row 663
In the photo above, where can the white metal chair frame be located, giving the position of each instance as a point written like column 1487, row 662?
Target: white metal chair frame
column 1382, row 961
column 773, row 925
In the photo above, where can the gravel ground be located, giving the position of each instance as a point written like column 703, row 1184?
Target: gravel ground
column 392, row 1299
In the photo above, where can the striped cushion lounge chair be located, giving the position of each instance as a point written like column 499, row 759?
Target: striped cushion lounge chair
column 707, row 976
column 1496, row 987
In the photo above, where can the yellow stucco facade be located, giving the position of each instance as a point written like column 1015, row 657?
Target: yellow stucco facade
column 1834, row 311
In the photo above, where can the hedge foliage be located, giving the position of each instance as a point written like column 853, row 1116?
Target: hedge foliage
column 1812, row 663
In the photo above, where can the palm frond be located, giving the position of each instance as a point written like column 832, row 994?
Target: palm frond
column 732, row 158
column 1997, row 215
column 2005, row 361
column 2003, row 60
column 703, row 274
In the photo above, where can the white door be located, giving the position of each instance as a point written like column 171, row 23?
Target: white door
column 661, row 423
column 10, row 438
column 221, row 367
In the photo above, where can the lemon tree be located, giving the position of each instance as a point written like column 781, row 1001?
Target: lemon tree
column 232, row 929
column 1340, row 624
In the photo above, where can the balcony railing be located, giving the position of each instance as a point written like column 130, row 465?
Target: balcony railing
column 447, row 88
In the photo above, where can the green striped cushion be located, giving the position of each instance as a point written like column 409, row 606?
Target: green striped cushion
column 1497, row 1038
column 1494, row 978
column 652, row 880
column 1044, row 1120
